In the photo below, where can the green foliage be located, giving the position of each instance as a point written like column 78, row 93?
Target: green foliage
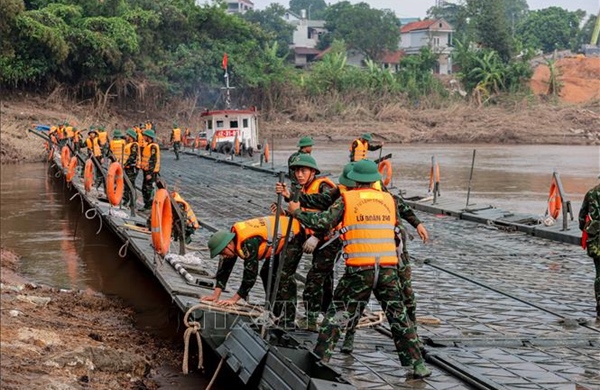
column 550, row 29
column 585, row 35
column 315, row 9
column 276, row 28
column 491, row 26
column 554, row 83
column 370, row 31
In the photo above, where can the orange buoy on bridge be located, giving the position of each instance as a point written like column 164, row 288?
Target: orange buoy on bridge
column 554, row 201
column 161, row 222
column 88, row 175
column 385, row 169
column 114, row 183
column 71, row 169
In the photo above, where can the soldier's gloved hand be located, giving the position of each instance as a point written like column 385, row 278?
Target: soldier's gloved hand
column 274, row 209
column 310, row 244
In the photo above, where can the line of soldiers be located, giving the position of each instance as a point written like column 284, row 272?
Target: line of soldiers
column 358, row 221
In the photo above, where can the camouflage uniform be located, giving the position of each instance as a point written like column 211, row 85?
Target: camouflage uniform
column 591, row 207
column 287, row 293
column 148, row 184
column 251, row 262
column 353, row 292
column 131, row 170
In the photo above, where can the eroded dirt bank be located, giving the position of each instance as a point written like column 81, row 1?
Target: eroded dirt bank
column 522, row 123
column 63, row 339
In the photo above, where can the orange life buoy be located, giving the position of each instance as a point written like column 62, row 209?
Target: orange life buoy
column 554, row 202
column 65, row 156
column 161, row 221
column 114, row 183
column 434, row 178
column 71, row 169
column 237, row 146
column 88, row 175
column 385, row 169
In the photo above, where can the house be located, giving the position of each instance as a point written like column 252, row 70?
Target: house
column 305, row 38
column 436, row 34
column 239, row 6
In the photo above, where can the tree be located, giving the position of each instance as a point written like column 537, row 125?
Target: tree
column 491, row 26
column 585, row 35
column 551, row 29
column 277, row 29
column 315, row 9
column 372, row 32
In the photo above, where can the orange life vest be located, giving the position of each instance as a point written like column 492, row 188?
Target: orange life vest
column 368, row 228
column 146, row 153
column 69, row 132
column 127, row 153
column 177, row 134
column 102, row 137
column 191, row 217
column 263, row 227
column 314, row 188
column 360, row 153
column 94, row 148
column 76, row 136
column 117, row 146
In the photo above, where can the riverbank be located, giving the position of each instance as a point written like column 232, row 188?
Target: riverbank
column 522, row 123
column 65, row 339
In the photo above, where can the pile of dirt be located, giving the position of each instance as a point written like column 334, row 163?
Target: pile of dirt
column 63, row 339
column 579, row 76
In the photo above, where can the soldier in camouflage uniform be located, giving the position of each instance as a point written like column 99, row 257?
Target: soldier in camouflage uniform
column 589, row 221
column 368, row 235
column 150, row 164
column 305, row 145
column 130, row 165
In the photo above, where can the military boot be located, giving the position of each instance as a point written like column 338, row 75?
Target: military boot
column 348, row 344
column 420, row 370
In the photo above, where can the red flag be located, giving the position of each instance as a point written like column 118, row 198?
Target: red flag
column 225, row 61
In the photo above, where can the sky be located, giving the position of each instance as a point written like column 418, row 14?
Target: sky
column 418, row 8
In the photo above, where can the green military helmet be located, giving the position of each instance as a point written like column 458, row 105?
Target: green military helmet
column 117, row 134
column 149, row 133
column 305, row 141
column 305, row 160
column 343, row 179
column 175, row 125
column 364, row 171
column 219, row 241
column 101, row 128
column 130, row 132
column 367, row 137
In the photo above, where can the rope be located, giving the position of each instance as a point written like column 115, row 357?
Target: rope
column 192, row 328
column 77, row 194
column 212, row 381
column 123, row 249
column 372, row 319
column 94, row 216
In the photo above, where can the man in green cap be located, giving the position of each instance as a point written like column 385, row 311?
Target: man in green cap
column 131, row 161
column 305, row 145
column 176, row 139
column 368, row 232
column 150, row 164
column 360, row 147
column 589, row 224
column 319, row 283
column 117, row 146
column 249, row 240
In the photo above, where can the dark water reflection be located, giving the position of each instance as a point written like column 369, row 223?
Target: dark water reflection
column 59, row 247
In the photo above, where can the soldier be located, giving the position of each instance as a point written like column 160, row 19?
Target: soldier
column 103, row 140
column 360, row 147
column 150, row 164
column 191, row 222
column 176, row 140
column 249, row 240
column 131, row 161
column 369, row 248
column 589, row 223
column 305, row 145
column 117, row 146
column 318, row 288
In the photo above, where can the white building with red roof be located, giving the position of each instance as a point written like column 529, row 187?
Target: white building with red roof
column 433, row 33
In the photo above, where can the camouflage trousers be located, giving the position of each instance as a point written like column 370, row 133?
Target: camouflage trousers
column 408, row 299
column 148, row 188
column 353, row 291
column 318, row 290
column 597, row 284
column 287, row 294
column 176, row 148
column 131, row 174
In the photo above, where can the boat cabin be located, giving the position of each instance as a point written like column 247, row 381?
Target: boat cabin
column 223, row 126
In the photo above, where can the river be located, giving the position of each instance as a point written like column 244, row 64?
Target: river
column 60, row 247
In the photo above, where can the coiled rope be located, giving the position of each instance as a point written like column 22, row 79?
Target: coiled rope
column 77, row 194
column 193, row 327
column 95, row 213
column 123, row 249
